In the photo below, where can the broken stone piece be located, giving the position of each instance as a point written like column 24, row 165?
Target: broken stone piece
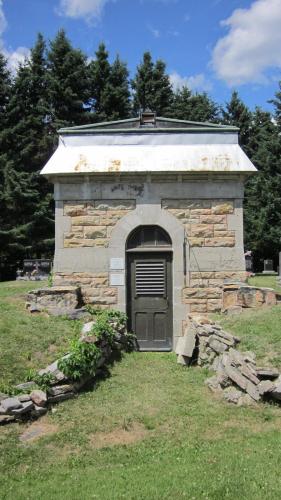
column 186, row 344
column 26, row 386
column 39, row 397
column 276, row 393
column 38, row 411
column 232, row 395
column 265, row 386
column 26, row 407
column 60, row 389
column 267, row 373
column 216, row 345
column 183, row 360
column 23, row 398
column 6, row 419
column 53, row 370
column 61, row 397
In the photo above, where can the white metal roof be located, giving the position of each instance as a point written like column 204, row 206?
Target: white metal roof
column 175, row 158
column 97, row 149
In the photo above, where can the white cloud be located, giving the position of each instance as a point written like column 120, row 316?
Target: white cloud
column 194, row 82
column 252, row 44
column 86, row 9
column 154, row 31
column 14, row 57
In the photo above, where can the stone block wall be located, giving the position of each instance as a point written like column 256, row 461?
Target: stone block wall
column 92, row 221
column 95, row 287
column 206, row 224
column 205, row 290
column 205, row 221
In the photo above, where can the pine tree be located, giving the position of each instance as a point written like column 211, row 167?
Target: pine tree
column 194, row 107
column 262, row 207
column 28, row 227
column 236, row 113
column 68, row 83
column 99, row 70
column 277, row 105
column 110, row 94
column 116, row 96
column 152, row 87
column 5, row 94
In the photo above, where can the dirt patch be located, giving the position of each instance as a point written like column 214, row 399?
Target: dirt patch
column 37, row 430
column 119, row 437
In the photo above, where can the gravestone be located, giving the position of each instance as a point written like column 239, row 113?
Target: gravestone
column 268, row 266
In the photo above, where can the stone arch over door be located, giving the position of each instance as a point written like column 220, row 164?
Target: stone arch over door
column 154, row 215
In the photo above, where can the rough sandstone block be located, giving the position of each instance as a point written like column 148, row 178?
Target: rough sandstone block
column 202, row 293
column 198, row 308
column 202, row 230
column 221, row 208
column 185, row 203
column 220, row 227
column 78, row 242
column 84, row 220
column 214, row 305
column 196, row 242
column 115, row 204
column 95, row 232
column 74, row 208
column 224, row 234
column 200, row 212
column 220, row 242
column 213, row 219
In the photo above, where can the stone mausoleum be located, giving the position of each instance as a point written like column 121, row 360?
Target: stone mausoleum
column 149, row 218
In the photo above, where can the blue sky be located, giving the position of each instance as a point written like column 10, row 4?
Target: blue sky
column 212, row 45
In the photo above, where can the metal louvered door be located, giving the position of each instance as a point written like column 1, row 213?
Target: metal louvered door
column 150, row 299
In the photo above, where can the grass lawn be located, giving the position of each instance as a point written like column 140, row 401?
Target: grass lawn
column 151, row 430
column 265, row 281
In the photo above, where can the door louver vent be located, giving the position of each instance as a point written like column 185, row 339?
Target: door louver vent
column 150, row 278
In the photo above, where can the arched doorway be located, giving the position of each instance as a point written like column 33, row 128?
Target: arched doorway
column 149, row 287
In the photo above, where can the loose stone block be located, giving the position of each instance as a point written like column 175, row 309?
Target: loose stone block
column 186, row 344
column 267, row 373
column 39, row 397
column 61, row 397
column 265, row 387
column 59, row 389
column 10, row 404
column 26, row 407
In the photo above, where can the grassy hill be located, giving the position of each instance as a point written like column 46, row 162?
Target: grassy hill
column 151, row 430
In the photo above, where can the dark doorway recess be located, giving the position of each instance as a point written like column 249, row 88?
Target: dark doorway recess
column 149, row 288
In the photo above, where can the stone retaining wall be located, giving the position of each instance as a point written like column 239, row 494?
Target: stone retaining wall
column 92, row 221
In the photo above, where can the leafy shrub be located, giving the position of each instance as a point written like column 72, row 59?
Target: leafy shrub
column 43, row 381
column 82, row 360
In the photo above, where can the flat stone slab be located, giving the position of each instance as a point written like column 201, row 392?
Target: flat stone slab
column 186, row 344
column 267, row 373
column 11, row 404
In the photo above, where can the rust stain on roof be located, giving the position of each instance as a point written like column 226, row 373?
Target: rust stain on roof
column 82, row 163
column 114, row 166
